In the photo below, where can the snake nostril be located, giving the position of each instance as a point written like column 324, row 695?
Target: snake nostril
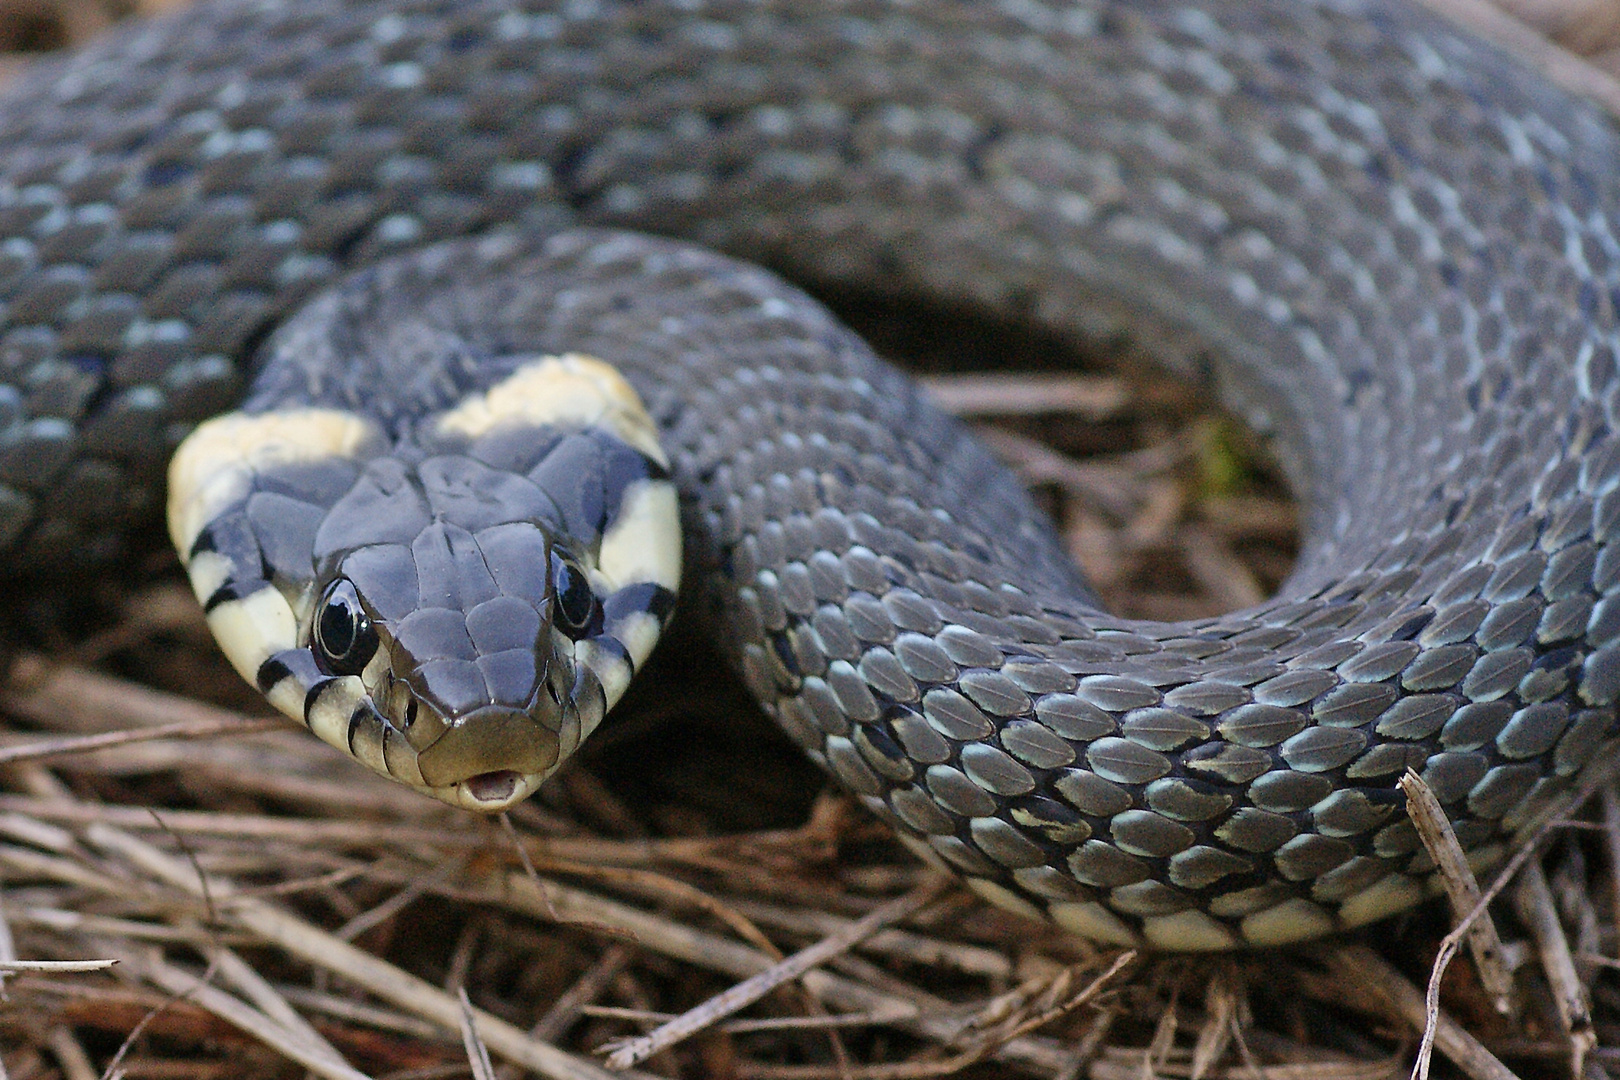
column 493, row 787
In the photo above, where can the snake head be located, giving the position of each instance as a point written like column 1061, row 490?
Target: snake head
column 456, row 609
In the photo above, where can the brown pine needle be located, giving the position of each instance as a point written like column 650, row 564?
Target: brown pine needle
column 38, row 749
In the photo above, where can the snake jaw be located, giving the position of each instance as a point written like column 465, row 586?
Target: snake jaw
column 491, row 741
column 485, row 759
column 496, row 755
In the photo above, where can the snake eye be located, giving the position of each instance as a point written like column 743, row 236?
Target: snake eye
column 345, row 640
column 573, row 603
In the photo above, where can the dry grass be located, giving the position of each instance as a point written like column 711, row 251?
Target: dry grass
column 276, row 912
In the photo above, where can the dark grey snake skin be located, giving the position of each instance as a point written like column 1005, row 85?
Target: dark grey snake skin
column 1390, row 246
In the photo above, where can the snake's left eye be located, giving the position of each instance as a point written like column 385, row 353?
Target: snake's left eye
column 345, row 640
column 573, row 602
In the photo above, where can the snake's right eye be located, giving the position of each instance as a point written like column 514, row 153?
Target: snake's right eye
column 345, row 641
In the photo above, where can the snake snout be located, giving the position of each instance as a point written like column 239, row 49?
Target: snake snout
column 489, row 751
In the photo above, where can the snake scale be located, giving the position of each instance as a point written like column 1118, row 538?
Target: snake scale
column 1387, row 246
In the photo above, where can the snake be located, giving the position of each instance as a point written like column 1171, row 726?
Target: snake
column 429, row 316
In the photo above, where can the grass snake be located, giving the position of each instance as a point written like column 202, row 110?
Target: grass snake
column 1385, row 245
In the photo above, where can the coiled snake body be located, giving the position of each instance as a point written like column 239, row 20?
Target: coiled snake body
column 1388, row 246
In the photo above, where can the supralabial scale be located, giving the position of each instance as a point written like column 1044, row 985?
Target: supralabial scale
column 473, row 428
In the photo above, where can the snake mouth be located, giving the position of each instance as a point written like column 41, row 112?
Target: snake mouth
column 495, row 790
